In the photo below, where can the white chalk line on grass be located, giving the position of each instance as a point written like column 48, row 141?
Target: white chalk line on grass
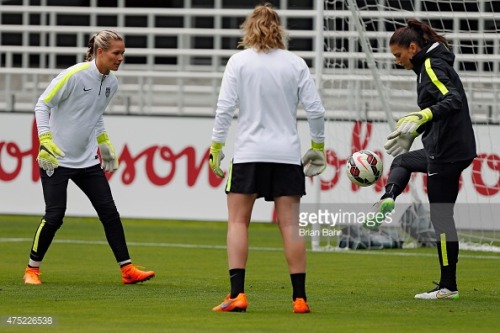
column 223, row 247
column 96, row 242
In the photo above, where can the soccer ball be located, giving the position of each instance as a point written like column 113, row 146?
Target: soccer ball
column 364, row 168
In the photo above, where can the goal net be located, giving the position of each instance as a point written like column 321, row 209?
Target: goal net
column 364, row 92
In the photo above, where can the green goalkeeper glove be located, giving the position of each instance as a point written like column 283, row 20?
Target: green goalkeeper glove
column 47, row 159
column 411, row 123
column 314, row 159
column 216, row 156
column 398, row 143
column 109, row 159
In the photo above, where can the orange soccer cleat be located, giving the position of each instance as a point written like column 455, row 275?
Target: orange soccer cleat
column 300, row 306
column 131, row 275
column 237, row 304
column 31, row 275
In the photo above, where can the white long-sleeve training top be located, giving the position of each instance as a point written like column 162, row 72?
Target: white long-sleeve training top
column 72, row 107
column 267, row 88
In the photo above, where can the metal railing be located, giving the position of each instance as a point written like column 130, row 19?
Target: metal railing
column 174, row 73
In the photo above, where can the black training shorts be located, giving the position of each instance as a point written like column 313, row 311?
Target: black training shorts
column 268, row 180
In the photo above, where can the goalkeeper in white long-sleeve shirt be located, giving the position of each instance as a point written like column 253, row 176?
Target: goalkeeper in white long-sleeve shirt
column 266, row 82
column 69, row 117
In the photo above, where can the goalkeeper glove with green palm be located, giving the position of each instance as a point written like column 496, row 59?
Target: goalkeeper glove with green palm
column 47, row 159
column 109, row 159
column 314, row 159
column 412, row 122
column 216, row 156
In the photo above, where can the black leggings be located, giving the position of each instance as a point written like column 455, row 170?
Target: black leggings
column 92, row 181
column 442, row 191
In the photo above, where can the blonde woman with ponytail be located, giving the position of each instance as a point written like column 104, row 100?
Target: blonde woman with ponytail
column 69, row 117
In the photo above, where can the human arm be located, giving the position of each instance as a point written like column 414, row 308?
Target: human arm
column 314, row 159
column 48, row 151
column 438, row 99
column 226, row 106
column 109, row 159
column 438, row 91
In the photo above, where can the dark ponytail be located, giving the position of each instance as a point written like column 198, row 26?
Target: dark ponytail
column 416, row 32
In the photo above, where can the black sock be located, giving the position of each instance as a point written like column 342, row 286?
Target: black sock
column 299, row 285
column 449, row 277
column 448, row 265
column 391, row 191
column 237, row 277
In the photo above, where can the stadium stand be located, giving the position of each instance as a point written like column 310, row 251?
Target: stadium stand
column 177, row 49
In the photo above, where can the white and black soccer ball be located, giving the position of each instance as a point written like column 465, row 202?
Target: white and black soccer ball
column 364, row 168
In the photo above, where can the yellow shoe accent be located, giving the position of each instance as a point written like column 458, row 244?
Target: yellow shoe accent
column 237, row 304
column 131, row 274
column 31, row 276
column 300, row 306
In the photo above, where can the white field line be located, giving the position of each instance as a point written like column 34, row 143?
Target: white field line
column 253, row 248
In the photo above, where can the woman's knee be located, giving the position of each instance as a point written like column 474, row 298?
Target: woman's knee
column 397, row 161
column 54, row 220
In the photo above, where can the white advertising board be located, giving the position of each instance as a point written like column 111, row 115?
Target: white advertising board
column 164, row 171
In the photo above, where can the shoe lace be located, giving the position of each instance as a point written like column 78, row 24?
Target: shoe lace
column 34, row 274
column 134, row 270
column 376, row 205
column 299, row 302
column 435, row 288
column 138, row 267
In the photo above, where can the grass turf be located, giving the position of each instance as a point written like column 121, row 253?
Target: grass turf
column 356, row 291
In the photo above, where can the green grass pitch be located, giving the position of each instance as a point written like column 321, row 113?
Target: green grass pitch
column 355, row 291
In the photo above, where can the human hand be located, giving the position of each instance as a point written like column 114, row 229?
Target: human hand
column 47, row 159
column 398, row 143
column 412, row 122
column 216, row 156
column 109, row 159
column 314, row 159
